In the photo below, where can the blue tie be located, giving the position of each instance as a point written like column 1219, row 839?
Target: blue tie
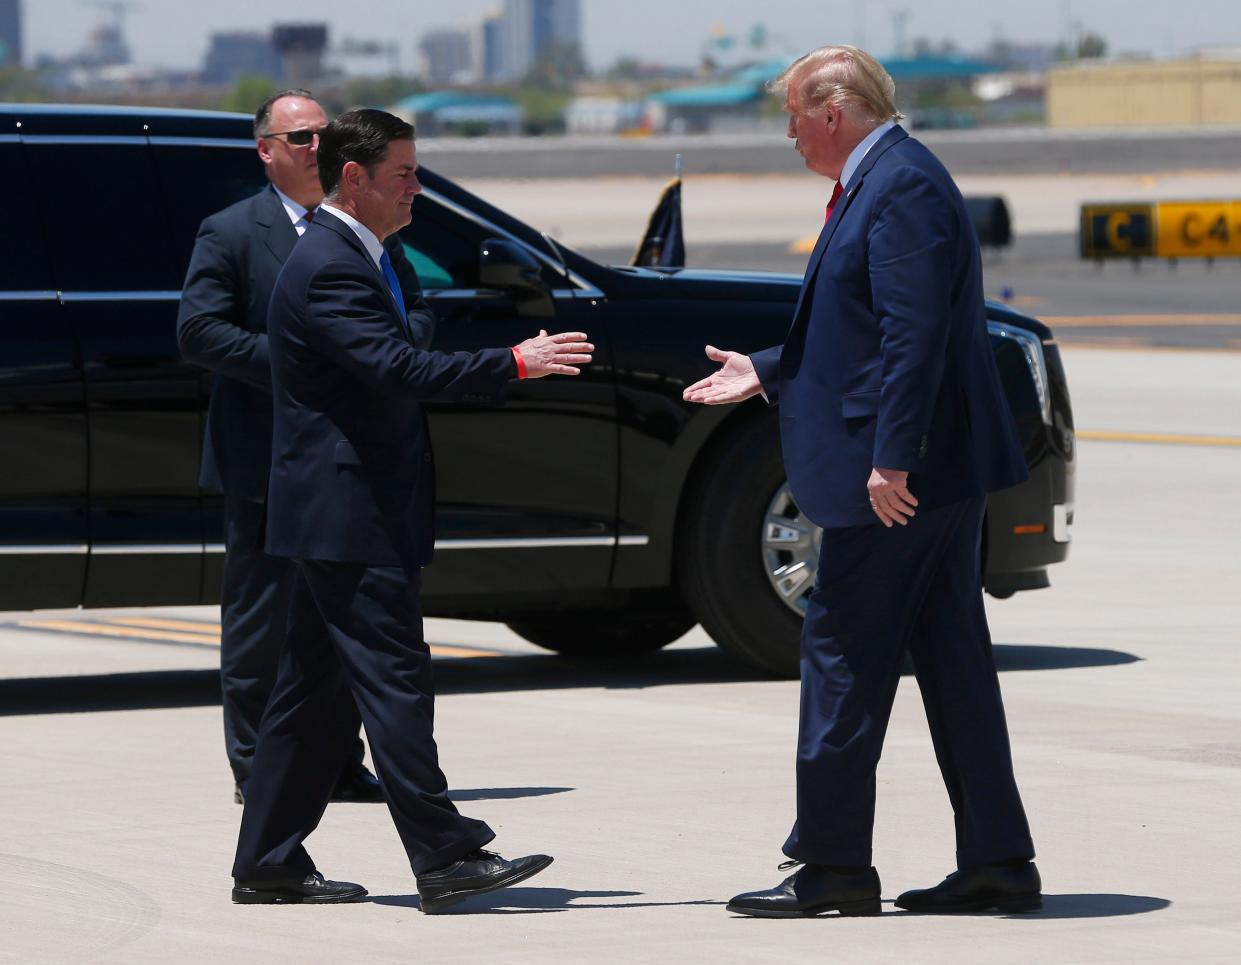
column 394, row 286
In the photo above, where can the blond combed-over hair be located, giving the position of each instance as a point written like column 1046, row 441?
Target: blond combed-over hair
column 842, row 77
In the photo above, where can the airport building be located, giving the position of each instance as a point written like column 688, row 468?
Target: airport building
column 1205, row 90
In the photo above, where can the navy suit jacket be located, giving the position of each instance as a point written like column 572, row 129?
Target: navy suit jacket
column 352, row 477
column 887, row 362
column 222, row 326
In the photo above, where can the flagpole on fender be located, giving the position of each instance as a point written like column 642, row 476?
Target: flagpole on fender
column 679, row 166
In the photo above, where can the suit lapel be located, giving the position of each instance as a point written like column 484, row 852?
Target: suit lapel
column 330, row 221
column 277, row 230
column 894, row 136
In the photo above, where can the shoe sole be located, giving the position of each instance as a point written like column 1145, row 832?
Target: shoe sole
column 252, row 896
column 438, row 904
column 846, row 909
column 1013, row 903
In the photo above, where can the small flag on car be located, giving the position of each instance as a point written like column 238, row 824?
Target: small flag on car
column 664, row 242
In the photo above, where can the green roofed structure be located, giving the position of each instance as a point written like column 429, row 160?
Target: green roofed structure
column 461, row 112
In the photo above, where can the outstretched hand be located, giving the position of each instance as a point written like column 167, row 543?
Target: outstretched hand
column 559, row 354
column 734, row 381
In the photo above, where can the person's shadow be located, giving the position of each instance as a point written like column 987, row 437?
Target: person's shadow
column 1058, row 907
column 534, row 901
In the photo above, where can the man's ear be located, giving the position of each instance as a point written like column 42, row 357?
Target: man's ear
column 264, row 150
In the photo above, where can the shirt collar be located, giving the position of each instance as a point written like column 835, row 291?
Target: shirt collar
column 374, row 247
column 295, row 211
column 859, row 152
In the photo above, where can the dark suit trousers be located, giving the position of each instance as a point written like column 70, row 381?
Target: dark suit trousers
column 355, row 645
column 254, row 607
column 879, row 592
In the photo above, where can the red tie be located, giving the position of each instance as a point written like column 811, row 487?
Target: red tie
column 836, row 193
column 310, row 214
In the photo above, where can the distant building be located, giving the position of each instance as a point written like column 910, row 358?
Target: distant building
column 301, row 47
column 235, row 53
column 446, row 56
column 694, row 110
column 534, row 30
column 1168, row 93
column 487, row 54
column 602, row 115
column 10, row 32
column 460, row 112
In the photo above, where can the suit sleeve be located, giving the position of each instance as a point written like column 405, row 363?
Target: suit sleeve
column 421, row 317
column 347, row 320
column 767, row 367
column 209, row 330
column 911, row 243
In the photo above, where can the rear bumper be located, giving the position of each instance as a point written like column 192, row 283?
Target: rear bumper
column 1029, row 527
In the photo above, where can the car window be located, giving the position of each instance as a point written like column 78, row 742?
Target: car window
column 104, row 221
column 198, row 181
column 441, row 247
column 24, row 265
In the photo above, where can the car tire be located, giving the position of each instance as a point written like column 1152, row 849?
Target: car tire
column 604, row 634
column 719, row 551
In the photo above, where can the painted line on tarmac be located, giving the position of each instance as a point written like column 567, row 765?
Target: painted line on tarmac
column 193, row 633
column 1215, row 320
column 1161, row 438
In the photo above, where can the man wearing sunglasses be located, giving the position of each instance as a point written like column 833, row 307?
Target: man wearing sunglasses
column 222, row 326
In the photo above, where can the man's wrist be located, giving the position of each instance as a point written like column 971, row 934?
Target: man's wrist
column 522, row 373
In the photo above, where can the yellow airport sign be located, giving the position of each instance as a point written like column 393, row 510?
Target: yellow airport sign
column 1165, row 229
column 1118, row 230
column 1199, row 229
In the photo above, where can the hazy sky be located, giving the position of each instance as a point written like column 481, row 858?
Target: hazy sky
column 174, row 32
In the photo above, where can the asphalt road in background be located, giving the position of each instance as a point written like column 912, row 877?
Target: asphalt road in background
column 664, row 785
column 992, row 151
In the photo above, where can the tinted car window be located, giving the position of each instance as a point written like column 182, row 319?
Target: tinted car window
column 104, row 220
column 198, row 181
column 440, row 246
column 23, row 266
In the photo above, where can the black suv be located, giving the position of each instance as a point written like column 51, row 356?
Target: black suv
column 594, row 514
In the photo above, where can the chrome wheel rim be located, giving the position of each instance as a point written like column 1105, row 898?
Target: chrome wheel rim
column 790, row 544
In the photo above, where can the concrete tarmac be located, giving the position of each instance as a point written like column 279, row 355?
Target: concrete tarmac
column 665, row 785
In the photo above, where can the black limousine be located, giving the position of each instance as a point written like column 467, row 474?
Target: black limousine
column 599, row 514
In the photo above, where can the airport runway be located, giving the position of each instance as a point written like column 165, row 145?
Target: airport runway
column 664, row 785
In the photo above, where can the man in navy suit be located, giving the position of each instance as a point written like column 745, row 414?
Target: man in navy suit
column 351, row 501
column 894, row 425
column 222, row 326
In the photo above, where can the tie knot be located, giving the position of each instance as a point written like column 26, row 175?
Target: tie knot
column 310, row 214
column 837, row 192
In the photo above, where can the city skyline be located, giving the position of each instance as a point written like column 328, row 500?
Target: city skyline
column 176, row 32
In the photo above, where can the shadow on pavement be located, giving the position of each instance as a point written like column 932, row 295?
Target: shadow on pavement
column 1018, row 656
column 530, row 901
column 700, row 665
column 1058, row 907
column 504, row 793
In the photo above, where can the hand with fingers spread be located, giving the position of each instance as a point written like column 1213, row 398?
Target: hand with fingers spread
column 890, row 498
column 734, row 381
column 559, row 354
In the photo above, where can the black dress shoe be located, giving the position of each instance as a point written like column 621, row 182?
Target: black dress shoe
column 474, row 874
column 311, row 890
column 813, row 890
column 360, row 786
column 1005, row 887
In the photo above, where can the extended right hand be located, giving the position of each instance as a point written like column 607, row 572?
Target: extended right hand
column 734, row 381
column 559, row 354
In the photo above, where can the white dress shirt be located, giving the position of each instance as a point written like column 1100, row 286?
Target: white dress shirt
column 296, row 213
column 374, row 247
column 863, row 148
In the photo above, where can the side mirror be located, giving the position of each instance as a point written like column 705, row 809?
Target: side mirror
column 511, row 268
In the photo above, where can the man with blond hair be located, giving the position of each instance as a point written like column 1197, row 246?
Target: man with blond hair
column 894, row 426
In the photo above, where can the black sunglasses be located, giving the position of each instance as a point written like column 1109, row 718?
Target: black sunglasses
column 301, row 137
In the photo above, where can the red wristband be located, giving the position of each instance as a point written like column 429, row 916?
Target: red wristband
column 521, row 364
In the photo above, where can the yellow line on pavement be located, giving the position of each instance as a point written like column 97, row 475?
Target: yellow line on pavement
column 108, row 630
column 803, row 246
column 1162, row 438
column 155, row 623
column 208, row 634
column 1137, row 321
